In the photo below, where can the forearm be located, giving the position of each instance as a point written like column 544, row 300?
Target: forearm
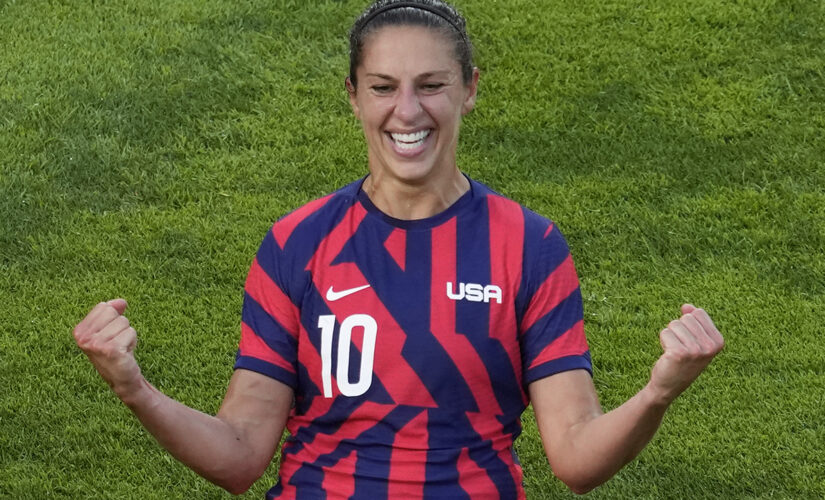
column 597, row 449
column 586, row 447
column 208, row 445
column 232, row 449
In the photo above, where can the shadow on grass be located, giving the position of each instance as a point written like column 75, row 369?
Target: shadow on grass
column 103, row 140
column 682, row 192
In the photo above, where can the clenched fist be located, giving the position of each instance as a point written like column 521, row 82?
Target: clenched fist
column 689, row 344
column 107, row 338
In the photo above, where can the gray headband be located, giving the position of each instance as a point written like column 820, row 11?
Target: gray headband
column 414, row 5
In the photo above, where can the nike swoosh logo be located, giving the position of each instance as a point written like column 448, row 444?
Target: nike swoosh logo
column 332, row 295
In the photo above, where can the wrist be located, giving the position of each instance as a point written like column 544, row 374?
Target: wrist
column 135, row 394
column 656, row 397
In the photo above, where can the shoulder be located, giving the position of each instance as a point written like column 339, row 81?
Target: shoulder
column 510, row 213
column 318, row 213
column 294, row 238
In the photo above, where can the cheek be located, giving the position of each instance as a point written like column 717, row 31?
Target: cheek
column 373, row 114
column 443, row 108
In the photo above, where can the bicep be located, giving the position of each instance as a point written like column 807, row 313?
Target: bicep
column 561, row 402
column 257, row 407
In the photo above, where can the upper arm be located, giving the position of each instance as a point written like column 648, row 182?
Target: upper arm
column 560, row 402
column 257, row 407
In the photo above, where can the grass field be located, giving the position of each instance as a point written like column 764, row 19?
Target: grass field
column 146, row 147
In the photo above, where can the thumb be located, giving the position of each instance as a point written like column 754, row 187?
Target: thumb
column 118, row 304
column 688, row 308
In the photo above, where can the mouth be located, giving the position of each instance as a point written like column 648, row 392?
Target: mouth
column 408, row 143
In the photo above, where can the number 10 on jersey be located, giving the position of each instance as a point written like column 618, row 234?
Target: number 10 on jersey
column 326, row 323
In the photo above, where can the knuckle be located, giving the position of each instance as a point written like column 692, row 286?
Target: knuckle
column 89, row 346
column 83, row 343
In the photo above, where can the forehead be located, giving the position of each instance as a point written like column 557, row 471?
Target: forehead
column 398, row 50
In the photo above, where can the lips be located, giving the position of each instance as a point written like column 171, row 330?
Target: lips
column 409, row 143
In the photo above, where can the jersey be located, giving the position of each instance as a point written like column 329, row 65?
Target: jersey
column 409, row 344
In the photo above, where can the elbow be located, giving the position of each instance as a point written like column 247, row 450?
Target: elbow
column 579, row 484
column 238, row 482
column 238, row 485
column 237, row 489
column 581, row 488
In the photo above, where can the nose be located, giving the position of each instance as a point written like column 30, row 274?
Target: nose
column 407, row 104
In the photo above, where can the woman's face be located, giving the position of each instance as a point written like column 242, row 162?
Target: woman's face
column 410, row 100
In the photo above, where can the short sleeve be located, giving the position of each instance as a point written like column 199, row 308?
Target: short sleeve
column 269, row 320
column 552, row 325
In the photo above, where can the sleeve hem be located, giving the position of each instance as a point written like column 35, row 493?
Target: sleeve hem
column 268, row 369
column 559, row 365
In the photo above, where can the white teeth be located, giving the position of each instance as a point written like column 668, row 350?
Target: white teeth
column 408, row 146
column 413, row 139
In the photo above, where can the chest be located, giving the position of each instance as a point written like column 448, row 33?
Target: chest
column 412, row 318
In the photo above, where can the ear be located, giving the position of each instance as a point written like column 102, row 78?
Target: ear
column 472, row 89
column 352, row 97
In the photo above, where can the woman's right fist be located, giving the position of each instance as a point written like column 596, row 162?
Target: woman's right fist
column 108, row 340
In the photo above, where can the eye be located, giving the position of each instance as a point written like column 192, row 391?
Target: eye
column 432, row 87
column 381, row 89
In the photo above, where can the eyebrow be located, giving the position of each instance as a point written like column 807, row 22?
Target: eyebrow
column 428, row 74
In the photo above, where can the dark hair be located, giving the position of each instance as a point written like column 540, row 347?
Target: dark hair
column 435, row 14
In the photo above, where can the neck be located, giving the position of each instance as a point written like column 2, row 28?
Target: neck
column 406, row 201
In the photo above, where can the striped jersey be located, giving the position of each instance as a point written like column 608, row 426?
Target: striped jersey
column 409, row 344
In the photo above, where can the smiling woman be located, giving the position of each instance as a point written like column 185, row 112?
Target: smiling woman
column 399, row 326
column 410, row 98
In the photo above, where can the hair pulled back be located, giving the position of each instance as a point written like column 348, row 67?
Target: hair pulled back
column 434, row 14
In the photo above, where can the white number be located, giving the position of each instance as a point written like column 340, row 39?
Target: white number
column 327, row 325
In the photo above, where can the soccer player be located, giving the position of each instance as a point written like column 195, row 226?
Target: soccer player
column 399, row 326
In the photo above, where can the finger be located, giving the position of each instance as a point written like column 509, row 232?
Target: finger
column 702, row 317
column 98, row 317
column 133, row 343
column 120, row 344
column 96, row 341
column 119, row 305
column 684, row 335
column 701, row 336
column 670, row 342
column 112, row 329
column 125, row 340
column 103, row 314
column 688, row 308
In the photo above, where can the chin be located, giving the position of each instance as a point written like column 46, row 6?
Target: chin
column 414, row 175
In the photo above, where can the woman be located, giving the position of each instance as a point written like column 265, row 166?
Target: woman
column 410, row 316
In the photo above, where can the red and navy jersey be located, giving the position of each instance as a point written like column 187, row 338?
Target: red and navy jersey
column 409, row 344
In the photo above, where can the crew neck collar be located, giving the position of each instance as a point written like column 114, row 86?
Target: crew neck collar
column 412, row 224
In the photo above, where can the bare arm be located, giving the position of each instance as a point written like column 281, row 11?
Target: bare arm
column 585, row 446
column 231, row 449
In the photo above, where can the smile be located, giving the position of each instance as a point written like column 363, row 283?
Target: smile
column 409, row 142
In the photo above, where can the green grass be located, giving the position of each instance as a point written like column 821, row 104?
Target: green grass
column 146, row 147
